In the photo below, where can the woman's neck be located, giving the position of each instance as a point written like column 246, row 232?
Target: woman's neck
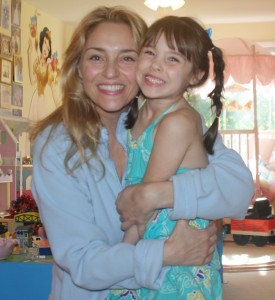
column 116, row 151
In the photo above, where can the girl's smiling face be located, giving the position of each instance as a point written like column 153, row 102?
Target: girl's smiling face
column 163, row 73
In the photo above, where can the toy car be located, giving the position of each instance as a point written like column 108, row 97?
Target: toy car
column 258, row 225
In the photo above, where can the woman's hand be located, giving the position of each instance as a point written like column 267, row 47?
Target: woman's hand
column 190, row 247
column 137, row 203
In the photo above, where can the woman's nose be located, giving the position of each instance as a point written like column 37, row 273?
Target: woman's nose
column 111, row 69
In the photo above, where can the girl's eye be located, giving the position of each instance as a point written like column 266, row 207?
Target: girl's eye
column 149, row 52
column 173, row 59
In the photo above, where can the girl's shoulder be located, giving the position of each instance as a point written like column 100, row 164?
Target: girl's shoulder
column 183, row 115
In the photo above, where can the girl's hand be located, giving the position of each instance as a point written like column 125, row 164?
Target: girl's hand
column 190, row 247
column 137, row 203
column 132, row 235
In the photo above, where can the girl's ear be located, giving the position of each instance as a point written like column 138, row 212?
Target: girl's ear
column 195, row 79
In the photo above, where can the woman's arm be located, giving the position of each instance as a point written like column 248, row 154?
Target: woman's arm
column 82, row 225
column 223, row 189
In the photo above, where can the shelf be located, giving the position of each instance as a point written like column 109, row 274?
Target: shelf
column 6, row 179
column 12, row 128
column 16, row 124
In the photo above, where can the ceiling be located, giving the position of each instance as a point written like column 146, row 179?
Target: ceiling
column 208, row 11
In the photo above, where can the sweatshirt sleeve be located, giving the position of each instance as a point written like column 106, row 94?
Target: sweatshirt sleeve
column 72, row 214
column 223, row 189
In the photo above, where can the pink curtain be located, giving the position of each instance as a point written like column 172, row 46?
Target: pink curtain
column 242, row 68
column 244, row 57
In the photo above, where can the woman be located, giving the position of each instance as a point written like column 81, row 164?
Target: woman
column 78, row 166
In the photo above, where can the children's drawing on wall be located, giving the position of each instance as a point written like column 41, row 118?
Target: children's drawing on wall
column 15, row 44
column 43, row 71
column 18, row 69
column 17, row 95
column 5, row 14
column 16, row 12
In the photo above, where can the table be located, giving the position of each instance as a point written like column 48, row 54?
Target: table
column 21, row 280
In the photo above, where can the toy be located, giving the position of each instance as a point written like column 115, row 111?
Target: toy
column 258, row 225
column 24, row 236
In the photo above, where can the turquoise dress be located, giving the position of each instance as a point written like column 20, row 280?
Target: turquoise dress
column 181, row 282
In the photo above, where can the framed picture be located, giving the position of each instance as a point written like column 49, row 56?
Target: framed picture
column 17, row 112
column 5, row 70
column 5, row 96
column 15, row 40
column 5, row 45
column 6, row 15
column 16, row 12
column 18, row 68
column 17, row 95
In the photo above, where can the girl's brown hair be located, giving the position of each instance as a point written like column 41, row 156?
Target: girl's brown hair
column 187, row 36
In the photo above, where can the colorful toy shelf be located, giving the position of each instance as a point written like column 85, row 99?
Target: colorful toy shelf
column 10, row 129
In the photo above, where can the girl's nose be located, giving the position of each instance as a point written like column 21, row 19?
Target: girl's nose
column 156, row 65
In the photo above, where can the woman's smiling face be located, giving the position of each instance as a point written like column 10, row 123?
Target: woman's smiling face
column 108, row 67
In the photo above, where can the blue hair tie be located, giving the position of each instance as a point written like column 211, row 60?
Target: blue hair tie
column 209, row 32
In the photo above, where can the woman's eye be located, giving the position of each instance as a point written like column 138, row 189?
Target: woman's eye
column 95, row 58
column 128, row 58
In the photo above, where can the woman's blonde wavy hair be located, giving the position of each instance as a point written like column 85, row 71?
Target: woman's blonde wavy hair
column 77, row 111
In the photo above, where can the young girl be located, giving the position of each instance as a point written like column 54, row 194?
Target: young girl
column 166, row 137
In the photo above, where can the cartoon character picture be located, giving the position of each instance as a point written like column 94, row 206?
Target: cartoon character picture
column 43, row 72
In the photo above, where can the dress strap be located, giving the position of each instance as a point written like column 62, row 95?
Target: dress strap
column 164, row 113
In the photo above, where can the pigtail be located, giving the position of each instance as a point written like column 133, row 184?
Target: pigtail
column 132, row 114
column 215, row 95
